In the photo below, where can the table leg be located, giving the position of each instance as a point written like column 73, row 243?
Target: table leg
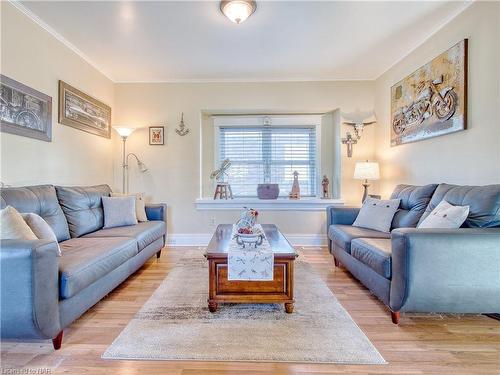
column 289, row 307
column 212, row 306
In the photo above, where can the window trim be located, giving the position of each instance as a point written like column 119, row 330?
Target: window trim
column 275, row 121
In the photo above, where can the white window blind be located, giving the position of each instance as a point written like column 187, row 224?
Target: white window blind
column 267, row 154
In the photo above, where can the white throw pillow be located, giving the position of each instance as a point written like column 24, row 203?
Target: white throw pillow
column 39, row 226
column 119, row 211
column 377, row 214
column 445, row 216
column 13, row 226
column 140, row 204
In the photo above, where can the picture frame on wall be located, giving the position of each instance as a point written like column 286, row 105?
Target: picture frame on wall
column 156, row 135
column 83, row 112
column 432, row 101
column 24, row 111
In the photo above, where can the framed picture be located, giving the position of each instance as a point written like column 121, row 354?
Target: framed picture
column 432, row 101
column 156, row 135
column 24, row 111
column 83, row 112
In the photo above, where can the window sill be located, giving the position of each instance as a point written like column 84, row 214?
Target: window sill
column 281, row 204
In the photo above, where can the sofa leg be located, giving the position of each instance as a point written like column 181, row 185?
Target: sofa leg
column 395, row 315
column 158, row 254
column 57, row 341
column 336, row 262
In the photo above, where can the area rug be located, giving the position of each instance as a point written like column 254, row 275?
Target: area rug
column 175, row 324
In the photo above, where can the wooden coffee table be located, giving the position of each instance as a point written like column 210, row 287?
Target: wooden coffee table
column 279, row 290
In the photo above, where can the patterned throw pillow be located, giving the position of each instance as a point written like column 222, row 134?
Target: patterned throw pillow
column 377, row 214
column 446, row 216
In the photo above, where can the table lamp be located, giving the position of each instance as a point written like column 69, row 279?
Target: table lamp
column 124, row 133
column 366, row 170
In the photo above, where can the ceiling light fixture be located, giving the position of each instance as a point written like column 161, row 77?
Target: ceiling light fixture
column 238, row 10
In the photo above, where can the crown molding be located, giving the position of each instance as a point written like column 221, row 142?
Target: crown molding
column 429, row 35
column 27, row 12
column 247, row 80
column 18, row 5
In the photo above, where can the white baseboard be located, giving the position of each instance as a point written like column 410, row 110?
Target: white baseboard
column 202, row 239
column 194, row 239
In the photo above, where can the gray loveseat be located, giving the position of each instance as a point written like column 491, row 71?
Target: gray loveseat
column 426, row 270
column 41, row 293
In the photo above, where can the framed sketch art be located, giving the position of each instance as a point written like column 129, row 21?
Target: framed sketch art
column 24, row 111
column 83, row 112
column 156, row 135
column 431, row 101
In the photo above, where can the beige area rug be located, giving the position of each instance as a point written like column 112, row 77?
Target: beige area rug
column 175, row 324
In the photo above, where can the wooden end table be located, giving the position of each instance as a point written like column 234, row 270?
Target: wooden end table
column 279, row 290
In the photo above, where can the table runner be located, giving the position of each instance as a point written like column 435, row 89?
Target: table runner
column 249, row 263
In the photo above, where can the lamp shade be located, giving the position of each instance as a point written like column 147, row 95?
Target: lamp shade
column 366, row 170
column 123, row 131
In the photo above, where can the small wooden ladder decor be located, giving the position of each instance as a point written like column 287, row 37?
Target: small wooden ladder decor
column 222, row 190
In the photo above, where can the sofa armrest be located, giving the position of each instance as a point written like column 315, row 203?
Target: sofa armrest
column 29, row 289
column 156, row 211
column 341, row 215
column 445, row 270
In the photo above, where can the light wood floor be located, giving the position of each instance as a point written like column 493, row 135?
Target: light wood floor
column 421, row 344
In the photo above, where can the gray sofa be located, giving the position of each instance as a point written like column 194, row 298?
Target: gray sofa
column 41, row 292
column 426, row 270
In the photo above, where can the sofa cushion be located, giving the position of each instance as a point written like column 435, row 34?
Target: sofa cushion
column 82, row 206
column 342, row 235
column 377, row 214
column 375, row 253
column 40, row 228
column 86, row 260
column 414, row 201
column 145, row 233
column 13, row 226
column 483, row 202
column 41, row 200
column 118, row 211
column 445, row 216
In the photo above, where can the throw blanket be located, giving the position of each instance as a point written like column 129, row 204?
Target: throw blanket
column 250, row 263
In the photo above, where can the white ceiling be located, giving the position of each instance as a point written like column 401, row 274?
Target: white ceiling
column 192, row 41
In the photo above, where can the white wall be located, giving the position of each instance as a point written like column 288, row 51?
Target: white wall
column 32, row 56
column 468, row 157
column 174, row 169
column 35, row 58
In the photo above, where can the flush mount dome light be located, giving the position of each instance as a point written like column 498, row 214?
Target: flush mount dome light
column 238, row 10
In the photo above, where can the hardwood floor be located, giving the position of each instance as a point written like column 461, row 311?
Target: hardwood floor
column 421, row 344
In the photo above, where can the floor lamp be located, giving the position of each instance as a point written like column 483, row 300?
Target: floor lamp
column 124, row 133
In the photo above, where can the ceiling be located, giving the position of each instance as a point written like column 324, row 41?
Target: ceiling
column 282, row 41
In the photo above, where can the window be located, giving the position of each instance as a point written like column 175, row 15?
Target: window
column 268, row 154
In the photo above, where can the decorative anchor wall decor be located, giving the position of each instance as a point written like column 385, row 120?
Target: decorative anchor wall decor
column 183, row 129
column 349, row 141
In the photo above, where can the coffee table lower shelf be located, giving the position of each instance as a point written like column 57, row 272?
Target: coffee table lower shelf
column 279, row 290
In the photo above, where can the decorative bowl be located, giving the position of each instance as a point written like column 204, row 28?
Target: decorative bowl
column 250, row 240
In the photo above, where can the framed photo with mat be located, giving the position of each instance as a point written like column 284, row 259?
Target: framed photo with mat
column 157, row 135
